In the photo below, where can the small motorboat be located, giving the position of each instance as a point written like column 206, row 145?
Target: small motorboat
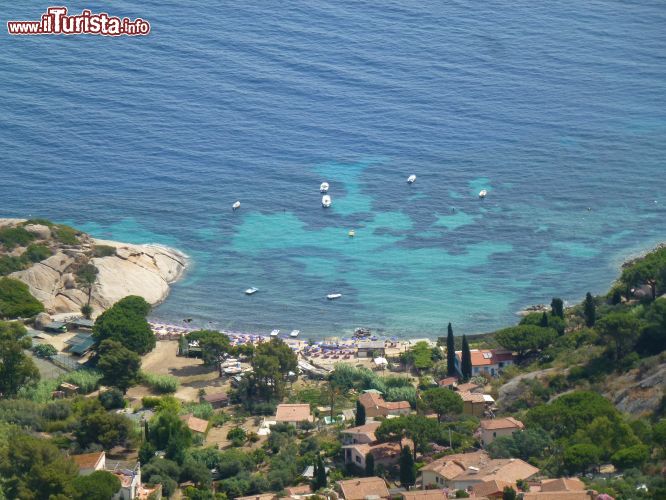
column 294, row 333
column 251, row 291
column 483, row 193
column 323, row 188
column 352, row 233
column 333, row 296
column 326, row 201
column 275, row 333
column 411, row 179
column 235, row 206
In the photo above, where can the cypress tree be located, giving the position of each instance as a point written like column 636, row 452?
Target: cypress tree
column 407, row 468
column 544, row 321
column 590, row 310
column 360, row 413
column 450, row 353
column 369, row 465
column 557, row 307
column 320, row 477
column 466, row 361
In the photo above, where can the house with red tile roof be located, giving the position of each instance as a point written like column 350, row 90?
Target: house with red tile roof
column 362, row 434
column 362, row 488
column 293, row 413
column 375, row 406
column 498, row 427
column 195, row 424
column 90, row 462
column 424, row 495
column 493, row 489
column 385, row 454
column 486, row 361
column 465, row 470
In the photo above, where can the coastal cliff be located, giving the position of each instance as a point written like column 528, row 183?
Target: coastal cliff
column 58, row 281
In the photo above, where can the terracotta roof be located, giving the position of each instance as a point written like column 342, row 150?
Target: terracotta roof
column 293, row 413
column 195, row 424
column 262, row 496
column 491, row 487
column 460, row 460
column 562, row 484
column 88, row 460
column 301, row 489
column 486, row 357
column 396, row 405
column 359, row 489
column 501, row 423
column 467, row 387
column 558, row 495
column 448, row 381
column 473, row 397
column 485, row 469
column 370, row 400
column 424, row 495
column 367, row 430
column 215, row 398
column 381, row 451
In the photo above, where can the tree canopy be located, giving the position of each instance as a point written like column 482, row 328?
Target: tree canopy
column 442, row 401
column 126, row 323
column 100, row 485
column 214, row 345
column 16, row 368
column 525, row 338
column 272, row 363
column 621, row 331
column 118, row 364
column 450, row 352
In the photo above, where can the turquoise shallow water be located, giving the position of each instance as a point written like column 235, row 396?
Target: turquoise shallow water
column 554, row 109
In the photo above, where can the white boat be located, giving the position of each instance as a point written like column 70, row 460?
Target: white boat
column 326, row 201
column 323, row 188
column 333, row 296
column 294, row 333
column 351, row 233
column 275, row 333
column 483, row 193
column 236, row 205
column 411, row 179
column 251, row 290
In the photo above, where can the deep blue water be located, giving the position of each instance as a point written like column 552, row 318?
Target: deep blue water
column 554, row 107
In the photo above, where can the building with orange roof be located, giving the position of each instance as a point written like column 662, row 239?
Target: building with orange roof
column 195, row 424
column 486, row 361
column 424, row 495
column 293, row 413
column 90, row 462
column 560, row 495
column 465, row 470
column 385, row 454
column 476, row 404
column 498, row 427
column 362, row 434
column 362, row 488
column 493, row 489
column 375, row 406
column 563, row 484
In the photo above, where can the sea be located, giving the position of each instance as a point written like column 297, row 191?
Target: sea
column 557, row 109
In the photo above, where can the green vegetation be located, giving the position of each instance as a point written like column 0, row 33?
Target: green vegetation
column 17, row 370
column 65, row 234
column 44, row 350
column 466, row 360
column 162, row 384
column 16, row 300
column 12, row 237
column 125, row 322
column 103, row 251
column 119, row 366
column 443, row 402
column 100, row 485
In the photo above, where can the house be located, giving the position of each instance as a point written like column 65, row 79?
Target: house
column 563, row 484
column 486, row 361
column 375, row 406
column 448, row 382
column 80, row 324
column 362, row 434
column 195, row 424
column 371, row 349
column 293, row 413
column 493, row 489
column 385, row 454
column 80, row 343
column 217, row 400
column 301, row 490
column 560, row 495
column 498, row 427
column 464, row 470
column 424, row 495
column 261, row 496
column 90, row 462
column 56, row 327
column 360, row 489
column 130, row 483
column 468, row 387
column 476, row 404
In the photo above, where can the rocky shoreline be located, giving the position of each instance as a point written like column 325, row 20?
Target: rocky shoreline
column 124, row 269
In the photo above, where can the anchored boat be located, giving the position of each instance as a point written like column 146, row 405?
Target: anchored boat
column 323, row 188
column 411, row 179
column 326, row 201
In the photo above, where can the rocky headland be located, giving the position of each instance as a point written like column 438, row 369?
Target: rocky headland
column 120, row 269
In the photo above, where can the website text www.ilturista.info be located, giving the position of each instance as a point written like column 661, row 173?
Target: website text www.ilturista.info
column 56, row 21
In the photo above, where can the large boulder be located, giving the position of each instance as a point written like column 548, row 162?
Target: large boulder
column 41, row 320
column 42, row 232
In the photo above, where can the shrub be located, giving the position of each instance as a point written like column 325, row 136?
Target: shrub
column 66, row 235
column 10, row 264
column 16, row 300
column 150, row 401
column 11, row 237
column 44, row 350
column 36, row 253
column 162, row 384
column 237, row 436
column 104, row 251
column 633, row 456
column 199, row 410
column 87, row 379
column 111, row 399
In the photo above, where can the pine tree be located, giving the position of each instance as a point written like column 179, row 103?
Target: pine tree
column 466, row 361
column 450, row 353
column 369, row 465
column 590, row 310
column 544, row 321
column 360, row 413
column 407, row 468
column 557, row 307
